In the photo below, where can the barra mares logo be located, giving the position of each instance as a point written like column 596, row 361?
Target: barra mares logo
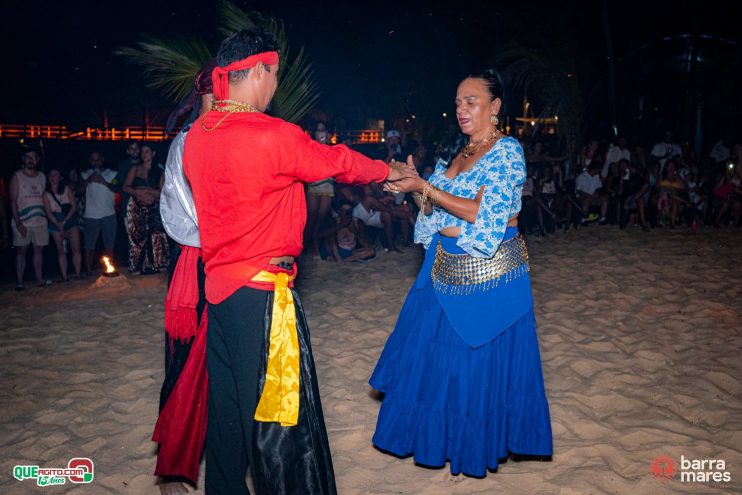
column 78, row 470
column 712, row 471
column 662, row 468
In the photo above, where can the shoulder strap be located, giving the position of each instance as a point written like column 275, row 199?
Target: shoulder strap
column 54, row 197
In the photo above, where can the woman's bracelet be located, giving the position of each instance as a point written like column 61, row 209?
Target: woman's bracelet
column 424, row 199
column 432, row 193
column 435, row 196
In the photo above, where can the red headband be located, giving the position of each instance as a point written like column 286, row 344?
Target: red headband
column 220, row 76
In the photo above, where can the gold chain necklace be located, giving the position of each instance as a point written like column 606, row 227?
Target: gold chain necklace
column 228, row 107
column 471, row 148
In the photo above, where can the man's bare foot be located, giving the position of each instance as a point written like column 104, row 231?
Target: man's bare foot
column 173, row 488
column 396, row 248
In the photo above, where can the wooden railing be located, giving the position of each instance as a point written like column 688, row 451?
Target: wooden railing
column 366, row 136
column 150, row 133
column 138, row 133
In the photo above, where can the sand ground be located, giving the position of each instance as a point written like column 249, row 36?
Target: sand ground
column 640, row 334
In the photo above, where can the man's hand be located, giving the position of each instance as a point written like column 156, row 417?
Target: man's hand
column 21, row 229
column 400, row 170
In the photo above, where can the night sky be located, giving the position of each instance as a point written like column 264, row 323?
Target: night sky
column 371, row 59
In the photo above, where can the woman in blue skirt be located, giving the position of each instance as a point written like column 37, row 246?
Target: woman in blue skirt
column 461, row 373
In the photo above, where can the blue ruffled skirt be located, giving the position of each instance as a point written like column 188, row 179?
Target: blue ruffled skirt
column 446, row 400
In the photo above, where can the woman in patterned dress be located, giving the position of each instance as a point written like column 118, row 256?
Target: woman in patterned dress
column 148, row 246
column 461, row 373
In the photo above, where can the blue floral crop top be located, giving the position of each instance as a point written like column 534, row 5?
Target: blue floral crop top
column 502, row 170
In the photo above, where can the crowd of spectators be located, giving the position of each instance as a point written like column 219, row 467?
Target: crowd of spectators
column 609, row 183
column 83, row 210
column 617, row 183
column 96, row 210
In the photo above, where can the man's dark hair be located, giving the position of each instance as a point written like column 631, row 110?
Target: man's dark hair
column 241, row 45
column 594, row 166
column 28, row 149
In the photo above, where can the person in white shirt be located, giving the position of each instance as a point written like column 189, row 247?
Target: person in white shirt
column 589, row 189
column 616, row 153
column 100, row 212
column 720, row 152
column 666, row 149
column 28, row 222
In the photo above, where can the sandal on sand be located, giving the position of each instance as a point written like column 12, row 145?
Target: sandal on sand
column 20, row 287
column 44, row 283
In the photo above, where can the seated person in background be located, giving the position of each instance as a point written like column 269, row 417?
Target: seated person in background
column 589, row 190
column 529, row 206
column 346, row 239
column 378, row 210
column 612, row 186
column 633, row 188
column 539, row 158
column 728, row 195
column 672, row 196
column 696, row 203
column 552, row 198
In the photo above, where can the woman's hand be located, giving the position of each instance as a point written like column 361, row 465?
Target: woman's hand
column 409, row 184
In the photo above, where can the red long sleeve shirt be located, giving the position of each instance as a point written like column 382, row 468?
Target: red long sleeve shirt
column 247, row 180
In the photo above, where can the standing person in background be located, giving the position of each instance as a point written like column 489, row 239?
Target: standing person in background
column 185, row 317
column 666, row 149
column 721, row 151
column 616, row 152
column 148, row 246
column 4, row 222
column 61, row 210
column 77, row 185
column 133, row 151
column 133, row 158
column 392, row 149
column 4, row 237
column 319, row 199
column 29, row 219
column 100, row 211
column 589, row 153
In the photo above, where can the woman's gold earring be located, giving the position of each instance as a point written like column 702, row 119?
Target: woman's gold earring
column 494, row 120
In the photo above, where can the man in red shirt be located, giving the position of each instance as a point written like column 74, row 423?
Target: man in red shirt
column 246, row 171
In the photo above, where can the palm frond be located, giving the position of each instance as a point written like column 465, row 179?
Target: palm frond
column 297, row 92
column 548, row 73
column 169, row 63
column 232, row 19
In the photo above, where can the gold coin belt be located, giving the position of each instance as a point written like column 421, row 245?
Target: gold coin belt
column 463, row 274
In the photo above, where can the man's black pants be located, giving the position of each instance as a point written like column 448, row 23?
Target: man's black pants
column 282, row 460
